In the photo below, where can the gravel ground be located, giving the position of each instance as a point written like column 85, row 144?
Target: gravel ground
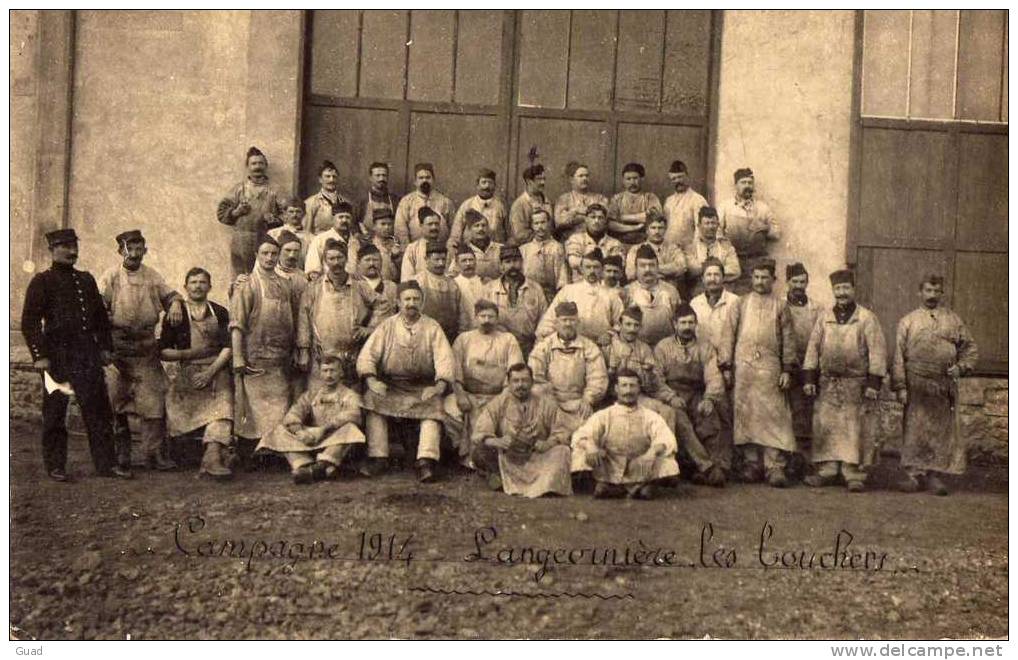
column 105, row 559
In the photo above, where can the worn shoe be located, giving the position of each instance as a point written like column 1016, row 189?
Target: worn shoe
column 116, row 472
column 213, row 464
column 856, row 487
column 58, row 474
column 909, row 484
column 604, row 490
column 936, row 486
column 777, row 479
column 324, row 471
column 425, row 470
column 373, row 467
column 817, row 481
column 715, row 477
column 160, row 463
column 303, row 475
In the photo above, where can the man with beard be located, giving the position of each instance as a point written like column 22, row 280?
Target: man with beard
column 570, row 368
column 336, row 316
column 200, row 397
column 369, row 269
column 708, row 243
column 477, row 239
column 521, row 213
column 933, row 350
column 758, row 345
column 749, row 224
column 712, row 305
column 293, row 222
column 682, row 208
column 408, row 365
column 251, row 208
column 342, row 231
column 519, row 443
column 379, row 198
column 408, row 219
column 657, row 299
column 626, row 446
column 846, row 360
column 599, row 308
column 441, row 298
column 263, row 323
column 544, row 258
column 671, row 259
column 415, row 257
column 135, row 296
column 571, row 208
column 482, row 357
column 804, row 314
column 485, row 203
column 319, row 208
column 631, row 209
column 595, row 236
column 693, row 386
column 65, row 324
column 519, row 299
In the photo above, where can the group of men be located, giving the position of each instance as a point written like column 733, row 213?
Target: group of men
column 616, row 338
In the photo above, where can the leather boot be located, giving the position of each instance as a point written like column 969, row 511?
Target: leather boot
column 213, row 463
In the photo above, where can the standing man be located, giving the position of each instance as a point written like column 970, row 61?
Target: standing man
column 408, row 366
column 631, row 209
column 293, row 222
column 335, row 318
column 67, row 329
column 846, row 360
column 378, row 197
column 671, row 259
column 571, row 207
column 483, row 357
column 319, row 208
column 470, row 284
column 749, row 224
column 712, row 305
column 570, row 368
column 599, row 307
column 416, row 254
column 476, row 238
column 369, row 268
column 389, row 250
column 933, row 350
column 519, row 299
column 804, row 314
column 594, row 236
column 342, row 231
column 136, row 295
column 522, row 212
column 544, row 258
column 758, row 345
column 658, row 300
column 408, row 219
column 441, row 298
column 263, row 315
column 251, row 208
column 708, row 243
column 289, row 261
column 627, row 447
column 490, row 207
column 682, row 207
column 201, row 395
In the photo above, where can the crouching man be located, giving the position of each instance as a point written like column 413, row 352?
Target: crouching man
column 519, row 443
column 319, row 429
column 627, row 447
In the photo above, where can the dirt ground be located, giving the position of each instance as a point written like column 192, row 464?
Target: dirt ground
column 107, row 559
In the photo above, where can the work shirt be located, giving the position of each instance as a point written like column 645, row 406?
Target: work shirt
column 443, row 301
column 720, row 249
column 581, row 243
column 487, row 261
column 408, row 227
column 265, row 308
column 711, row 318
column 519, row 217
column 330, row 314
column 319, row 208
column 414, row 260
column 630, row 437
column 690, row 368
column 492, row 208
column 682, row 211
column 377, row 201
column 599, row 310
column 671, row 260
column 929, row 341
column 135, row 300
column 569, row 371
column 473, row 289
column 853, row 349
column 658, row 304
column 748, row 224
column 626, row 203
column 575, row 201
column 522, row 316
column 315, row 260
column 482, row 360
column 545, row 263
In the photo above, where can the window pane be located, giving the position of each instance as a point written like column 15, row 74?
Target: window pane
column 334, row 53
column 980, row 51
column 479, row 57
column 641, row 46
column 934, row 35
column 687, row 62
column 431, row 43
column 544, row 49
column 885, row 63
column 383, row 54
column 592, row 60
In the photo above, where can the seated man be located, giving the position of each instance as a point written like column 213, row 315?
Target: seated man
column 709, row 242
column 544, row 258
column 518, row 442
column 594, row 236
column 477, row 240
column 570, row 368
column 613, row 276
column 599, row 308
column 442, row 299
column 293, row 222
column 200, row 397
column 627, row 447
column 628, row 351
column 416, row 254
column 520, row 300
column 482, row 356
column 671, row 260
column 319, row 428
column 713, row 304
column 656, row 298
column 390, row 252
column 469, row 282
column 407, row 364
column 343, row 230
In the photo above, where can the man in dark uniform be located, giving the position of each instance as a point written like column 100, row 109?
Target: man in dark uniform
column 68, row 332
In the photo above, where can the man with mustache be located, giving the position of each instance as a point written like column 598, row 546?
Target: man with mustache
column 804, row 314
column 682, row 207
column 378, row 198
column 342, row 231
column 594, row 236
column 469, row 282
column 655, row 298
column 390, row 252
column 544, row 258
column 369, row 269
column 530, row 200
column 630, row 209
column 482, row 356
column 407, row 365
column 571, row 208
column 319, row 208
column 416, row 255
column 599, row 308
column 65, row 324
column 135, row 296
column 712, row 305
column 519, row 299
column 408, row 227
column 519, row 443
column 749, row 224
column 477, row 240
column 933, row 350
column 670, row 257
column 846, row 360
column 441, row 298
column 289, row 260
column 293, row 222
column 488, row 205
column 757, row 351
column 251, row 207
column 709, row 243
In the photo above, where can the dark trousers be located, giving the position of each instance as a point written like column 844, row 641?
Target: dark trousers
column 90, row 390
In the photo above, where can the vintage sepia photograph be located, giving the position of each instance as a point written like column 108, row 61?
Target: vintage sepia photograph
column 509, row 324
